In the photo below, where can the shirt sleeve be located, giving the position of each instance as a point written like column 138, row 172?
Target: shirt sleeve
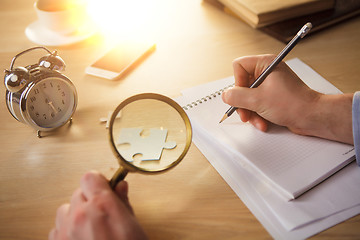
column 356, row 124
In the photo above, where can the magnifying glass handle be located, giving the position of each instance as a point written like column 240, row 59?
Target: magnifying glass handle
column 119, row 175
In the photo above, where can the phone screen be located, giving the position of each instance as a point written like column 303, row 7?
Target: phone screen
column 120, row 59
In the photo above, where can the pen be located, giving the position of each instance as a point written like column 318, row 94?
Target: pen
column 303, row 31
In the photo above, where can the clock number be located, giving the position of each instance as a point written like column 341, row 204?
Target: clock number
column 58, row 87
column 63, row 94
column 44, row 85
column 36, row 91
column 51, row 84
column 59, row 109
column 52, row 114
column 37, row 114
column 44, row 115
column 63, row 102
column 33, row 99
column 32, row 107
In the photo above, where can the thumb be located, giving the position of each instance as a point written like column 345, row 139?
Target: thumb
column 247, row 103
column 241, row 97
column 121, row 191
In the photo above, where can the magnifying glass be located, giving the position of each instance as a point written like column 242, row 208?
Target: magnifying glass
column 149, row 133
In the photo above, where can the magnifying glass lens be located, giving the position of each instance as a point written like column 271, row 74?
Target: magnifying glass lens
column 149, row 133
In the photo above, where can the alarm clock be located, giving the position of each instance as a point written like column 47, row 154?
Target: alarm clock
column 39, row 95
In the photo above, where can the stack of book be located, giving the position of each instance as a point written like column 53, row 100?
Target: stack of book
column 282, row 19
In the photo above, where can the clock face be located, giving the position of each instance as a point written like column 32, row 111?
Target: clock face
column 50, row 102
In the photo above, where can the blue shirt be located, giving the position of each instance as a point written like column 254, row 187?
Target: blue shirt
column 356, row 125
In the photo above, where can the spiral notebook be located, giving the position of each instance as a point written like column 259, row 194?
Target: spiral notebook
column 290, row 164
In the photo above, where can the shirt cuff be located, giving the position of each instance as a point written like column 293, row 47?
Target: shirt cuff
column 356, row 124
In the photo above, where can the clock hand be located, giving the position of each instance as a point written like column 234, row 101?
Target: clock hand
column 52, row 106
column 47, row 100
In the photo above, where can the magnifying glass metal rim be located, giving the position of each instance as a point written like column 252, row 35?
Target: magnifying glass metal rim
column 123, row 162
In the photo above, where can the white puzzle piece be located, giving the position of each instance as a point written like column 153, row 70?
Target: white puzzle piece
column 150, row 147
column 107, row 119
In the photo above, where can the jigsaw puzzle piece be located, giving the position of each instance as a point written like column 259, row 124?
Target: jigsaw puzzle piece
column 150, row 147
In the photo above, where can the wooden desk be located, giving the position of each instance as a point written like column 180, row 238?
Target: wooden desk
column 196, row 44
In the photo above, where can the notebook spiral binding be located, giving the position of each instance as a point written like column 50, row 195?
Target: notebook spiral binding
column 206, row 98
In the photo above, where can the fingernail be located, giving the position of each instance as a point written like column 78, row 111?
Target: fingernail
column 223, row 95
column 123, row 186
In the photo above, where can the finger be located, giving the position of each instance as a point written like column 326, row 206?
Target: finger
column 244, row 114
column 259, row 122
column 121, row 191
column 77, row 199
column 253, row 118
column 241, row 75
column 247, row 68
column 93, row 183
column 61, row 215
column 53, row 234
column 241, row 97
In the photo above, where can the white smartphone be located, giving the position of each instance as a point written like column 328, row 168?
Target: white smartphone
column 120, row 60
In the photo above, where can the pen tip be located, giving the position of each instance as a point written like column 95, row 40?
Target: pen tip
column 223, row 118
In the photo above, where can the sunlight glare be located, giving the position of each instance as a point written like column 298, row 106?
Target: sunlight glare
column 121, row 18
